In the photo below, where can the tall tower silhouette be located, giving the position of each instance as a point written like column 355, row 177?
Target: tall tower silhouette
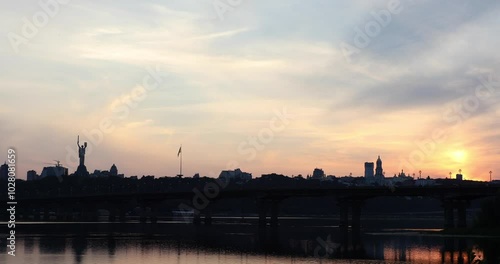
column 379, row 172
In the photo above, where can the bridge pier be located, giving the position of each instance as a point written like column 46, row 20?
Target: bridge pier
column 356, row 218
column 274, row 213
column 262, row 207
column 22, row 214
column 36, row 214
column 90, row 213
column 344, row 224
column 268, row 205
column 67, row 213
column 60, row 214
column 46, row 213
column 154, row 212
column 197, row 218
column 355, row 208
column 121, row 215
column 144, row 214
column 208, row 216
column 462, row 214
column 449, row 213
column 149, row 211
column 117, row 211
column 344, row 216
column 112, row 214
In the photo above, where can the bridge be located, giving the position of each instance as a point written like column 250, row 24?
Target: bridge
column 350, row 200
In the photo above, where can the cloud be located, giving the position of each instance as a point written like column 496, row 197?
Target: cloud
column 222, row 80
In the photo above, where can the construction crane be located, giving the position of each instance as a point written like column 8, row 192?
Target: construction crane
column 57, row 164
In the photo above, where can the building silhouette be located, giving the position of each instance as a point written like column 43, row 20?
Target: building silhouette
column 113, row 171
column 369, row 170
column 99, row 173
column 4, row 172
column 235, row 175
column 379, row 171
column 54, row 171
column 318, row 174
column 31, row 175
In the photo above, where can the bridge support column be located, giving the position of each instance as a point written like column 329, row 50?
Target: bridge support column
column 23, row 215
column 197, row 218
column 344, row 225
column 88, row 213
column 449, row 208
column 356, row 220
column 60, row 213
column 69, row 216
column 154, row 212
column 344, row 216
column 93, row 214
column 354, row 205
column 144, row 214
column 82, row 214
column 46, row 213
column 274, row 213
column 117, row 211
column 154, row 217
column 26, row 211
column 19, row 214
column 208, row 216
column 36, row 214
column 262, row 207
column 121, row 214
column 112, row 215
column 462, row 214
column 448, row 214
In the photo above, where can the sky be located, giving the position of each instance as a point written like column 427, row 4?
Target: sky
column 265, row 86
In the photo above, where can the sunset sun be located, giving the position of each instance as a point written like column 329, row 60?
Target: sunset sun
column 459, row 156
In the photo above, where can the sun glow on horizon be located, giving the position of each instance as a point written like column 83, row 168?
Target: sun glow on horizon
column 459, row 156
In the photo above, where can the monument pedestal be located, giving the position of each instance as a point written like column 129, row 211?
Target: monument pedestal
column 82, row 171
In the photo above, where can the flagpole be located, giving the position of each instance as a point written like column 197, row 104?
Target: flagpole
column 180, row 174
column 180, row 164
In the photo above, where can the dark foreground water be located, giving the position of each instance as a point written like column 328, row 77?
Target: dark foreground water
column 238, row 243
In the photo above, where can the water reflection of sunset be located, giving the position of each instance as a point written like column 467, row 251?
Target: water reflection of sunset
column 413, row 253
column 419, row 254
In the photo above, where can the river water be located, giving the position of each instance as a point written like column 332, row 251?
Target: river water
column 133, row 243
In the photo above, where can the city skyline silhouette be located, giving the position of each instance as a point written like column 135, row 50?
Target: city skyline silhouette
column 228, row 131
